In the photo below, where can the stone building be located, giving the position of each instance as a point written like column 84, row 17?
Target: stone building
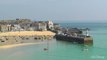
column 16, row 27
column 57, row 27
column 10, row 27
column 38, row 26
column 42, row 26
column 5, row 28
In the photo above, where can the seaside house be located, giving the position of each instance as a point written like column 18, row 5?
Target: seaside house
column 5, row 28
column 34, row 26
column 9, row 27
column 38, row 26
column 42, row 26
column 50, row 25
column 16, row 27
column 25, row 26
column 57, row 26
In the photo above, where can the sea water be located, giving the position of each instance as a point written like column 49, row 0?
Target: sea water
column 62, row 50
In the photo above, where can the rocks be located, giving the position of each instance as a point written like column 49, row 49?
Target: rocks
column 23, row 39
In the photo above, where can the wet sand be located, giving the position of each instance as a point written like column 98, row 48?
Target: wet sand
column 16, row 45
column 24, row 37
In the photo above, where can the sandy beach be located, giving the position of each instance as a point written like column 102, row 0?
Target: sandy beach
column 13, row 39
column 16, row 45
column 26, row 33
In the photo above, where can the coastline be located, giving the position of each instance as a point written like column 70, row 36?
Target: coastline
column 27, row 33
column 24, row 37
column 17, row 45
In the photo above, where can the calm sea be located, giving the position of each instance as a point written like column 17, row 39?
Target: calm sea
column 61, row 50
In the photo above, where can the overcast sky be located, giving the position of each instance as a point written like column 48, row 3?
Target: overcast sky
column 56, row 10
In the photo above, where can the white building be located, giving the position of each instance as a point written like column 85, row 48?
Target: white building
column 17, row 28
column 50, row 25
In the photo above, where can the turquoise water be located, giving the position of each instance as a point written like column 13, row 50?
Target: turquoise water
column 61, row 50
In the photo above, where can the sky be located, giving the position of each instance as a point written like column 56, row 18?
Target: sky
column 55, row 10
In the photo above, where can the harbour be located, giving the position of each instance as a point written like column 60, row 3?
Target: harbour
column 62, row 50
column 81, row 40
column 53, row 30
column 77, row 35
column 26, row 30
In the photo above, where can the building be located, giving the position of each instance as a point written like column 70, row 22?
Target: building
column 25, row 26
column 16, row 27
column 34, row 26
column 42, row 26
column 22, row 21
column 5, row 27
column 39, row 26
column 57, row 27
column 50, row 25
